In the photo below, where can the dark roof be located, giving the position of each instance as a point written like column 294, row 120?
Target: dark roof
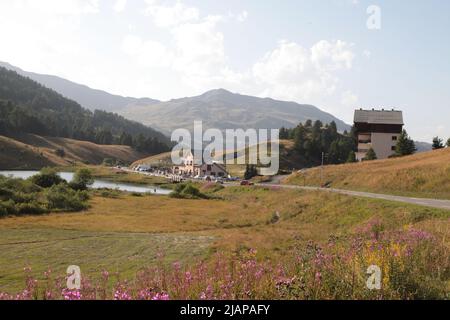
column 379, row 116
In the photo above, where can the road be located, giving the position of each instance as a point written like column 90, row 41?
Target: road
column 434, row 203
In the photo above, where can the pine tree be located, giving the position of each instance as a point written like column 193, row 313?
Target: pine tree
column 448, row 142
column 405, row 145
column 284, row 134
column 351, row 157
column 370, row 155
column 437, row 143
column 250, row 172
column 299, row 138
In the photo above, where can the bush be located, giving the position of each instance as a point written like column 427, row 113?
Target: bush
column 31, row 208
column 61, row 197
column 107, row 193
column 60, row 153
column 370, row 155
column 7, row 208
column 82, row 180
column 20, row 197
column 187, row 191
column 47, row 178
column 109, row 162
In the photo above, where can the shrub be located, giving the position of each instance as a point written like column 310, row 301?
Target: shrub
column 7, row 208
column 31, row 208
column 187, row 191
column 82, row 179
column 109, row 162
column 107, row 193
column 60, row 153
column 61, row 197
column 370, row 155
column 20, row 197
column 47, row 178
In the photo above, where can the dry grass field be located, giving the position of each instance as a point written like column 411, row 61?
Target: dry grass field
column 422, row 175
column 30, row 151
column 127, row 233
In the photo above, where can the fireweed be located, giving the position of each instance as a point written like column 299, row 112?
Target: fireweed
column 414, row 264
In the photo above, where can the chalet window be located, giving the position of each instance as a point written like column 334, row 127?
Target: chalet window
column 394, row 138
column 393, row 148
column 208, row 167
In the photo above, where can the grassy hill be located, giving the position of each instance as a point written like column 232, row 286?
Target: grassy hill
column 163, row 159
column 29, row 151
column 288, row 159
column 424, row 175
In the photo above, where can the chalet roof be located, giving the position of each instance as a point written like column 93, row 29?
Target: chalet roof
column 379, row 116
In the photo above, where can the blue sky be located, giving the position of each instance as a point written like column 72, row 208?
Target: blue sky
column 318, row 52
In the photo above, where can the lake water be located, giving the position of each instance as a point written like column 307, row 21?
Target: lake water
column 98, row 183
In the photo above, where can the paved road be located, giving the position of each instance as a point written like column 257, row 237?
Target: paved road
column 434, row 203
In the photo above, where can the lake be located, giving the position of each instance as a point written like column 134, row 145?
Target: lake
column 98, row 183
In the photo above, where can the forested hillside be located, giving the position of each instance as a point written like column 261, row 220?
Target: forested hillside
column 312, row 139
column 28, row 107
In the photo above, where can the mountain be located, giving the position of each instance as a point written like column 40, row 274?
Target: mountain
column 423, row 146
column 226, row 110
column 88, row 98
column 28, row 107
column 216, row 108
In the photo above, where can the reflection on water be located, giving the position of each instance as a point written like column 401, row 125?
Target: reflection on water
column 98, row 183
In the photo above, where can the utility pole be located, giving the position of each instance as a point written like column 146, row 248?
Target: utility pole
column 321, row 170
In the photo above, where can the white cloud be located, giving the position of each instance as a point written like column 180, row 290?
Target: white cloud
column 293, row 72
column 148, row 53
column 169, row 16
column 197, row 53
column 367, row 54
column 349, row 99
column 332, row 56
column 199, row 46
column 241, row 17
column 120, row 5
column 60, row 7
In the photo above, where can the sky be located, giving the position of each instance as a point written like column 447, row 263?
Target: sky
column 336, row 54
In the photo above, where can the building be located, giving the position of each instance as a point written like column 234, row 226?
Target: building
column 189, row 168
column 377, row 129
column 143, row 168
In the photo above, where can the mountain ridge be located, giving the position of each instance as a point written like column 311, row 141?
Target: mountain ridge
column 223, row 109
column 217, row 108
column 86, row 96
